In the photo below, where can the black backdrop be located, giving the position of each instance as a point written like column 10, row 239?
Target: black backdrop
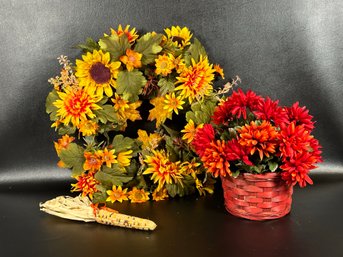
column 291, row 50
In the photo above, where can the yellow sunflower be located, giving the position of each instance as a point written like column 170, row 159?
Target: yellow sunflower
column 180, row 36
column 160, row 195
column 116, row 194
column 138, row 195
column 75, row 106
column 164, row 64
column 173, row 103
column 97, row 73
column 88, row 127
column 124, row 158
column 196, row 80
column 108, row 157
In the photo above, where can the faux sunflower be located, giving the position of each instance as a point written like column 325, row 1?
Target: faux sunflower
column 127, row 113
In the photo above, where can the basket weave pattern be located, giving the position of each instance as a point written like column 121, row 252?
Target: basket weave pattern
column 257, row 196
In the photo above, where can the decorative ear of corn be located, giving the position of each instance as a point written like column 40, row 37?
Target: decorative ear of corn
column 117, row 219
column 81, row 209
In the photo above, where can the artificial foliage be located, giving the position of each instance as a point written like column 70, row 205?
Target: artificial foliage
column 126, row 112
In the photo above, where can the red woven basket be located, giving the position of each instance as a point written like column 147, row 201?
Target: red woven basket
column 257, row 196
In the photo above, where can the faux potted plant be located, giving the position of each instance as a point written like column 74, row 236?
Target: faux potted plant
column 260, row 150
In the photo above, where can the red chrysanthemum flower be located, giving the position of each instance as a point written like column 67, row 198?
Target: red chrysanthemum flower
column 271, row 111
column 294, row 139
column 259, row 138
column 235, row 151
column 203, row 137
column 300, row 115
column 296, row 169
column 315, row 149
column 236, row 105
column 215, row 159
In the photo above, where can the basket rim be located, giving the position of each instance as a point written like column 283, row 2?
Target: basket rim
column 253, row 176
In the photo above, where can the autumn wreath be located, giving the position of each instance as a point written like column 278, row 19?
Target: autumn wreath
column 127, row 111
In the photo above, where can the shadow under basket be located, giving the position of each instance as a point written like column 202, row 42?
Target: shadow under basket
column 257, row 196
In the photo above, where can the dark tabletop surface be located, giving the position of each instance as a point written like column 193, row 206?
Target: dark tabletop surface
column 186, row 227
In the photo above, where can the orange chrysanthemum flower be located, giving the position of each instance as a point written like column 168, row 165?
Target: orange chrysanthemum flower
column 260, row 137
column 162, row 169
column 215, row 159
column 86, row 183
column 131, row 34
column 63, row 143
column 196, row 80
column 138, row 195
column 93, row 161
column 75, row 106
column 132, row 59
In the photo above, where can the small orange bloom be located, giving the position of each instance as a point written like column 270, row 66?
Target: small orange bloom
column 219, row 70
column 88, row 127
column 93, row 161
column 131, row 34
column 63, row 143
column 132, row 59
column 258, row 137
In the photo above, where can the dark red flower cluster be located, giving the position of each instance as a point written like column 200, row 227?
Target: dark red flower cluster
column 270, row 132
column 237, row 105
